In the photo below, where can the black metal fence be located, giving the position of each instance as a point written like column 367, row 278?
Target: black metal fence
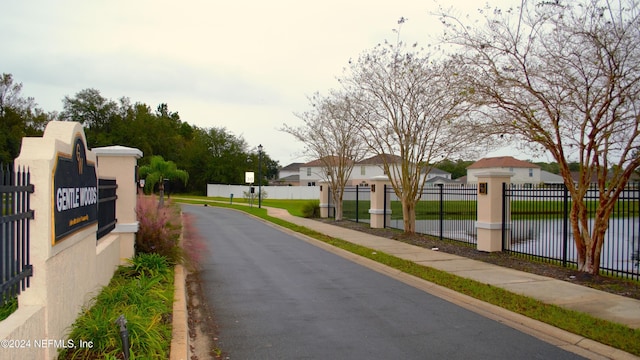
column 15, row 265
column 356, row 201
column 106, row 206
column 540, row 228
column 444, row 211
column 537, row 225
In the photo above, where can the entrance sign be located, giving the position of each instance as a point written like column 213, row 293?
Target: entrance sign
column 75, row 192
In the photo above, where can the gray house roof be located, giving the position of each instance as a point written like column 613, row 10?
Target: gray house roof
column 441, row 180
column 550, row 178
column 292, row 167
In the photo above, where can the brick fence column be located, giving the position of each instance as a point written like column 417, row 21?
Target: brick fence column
column 489, row 222
column 325, row 200
column 378, row 216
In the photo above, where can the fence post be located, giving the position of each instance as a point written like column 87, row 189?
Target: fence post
column 325, row 199
column 441, row 200
column 565, row 225
column 357, row 203
column 380, row 211
column 490, row 217
column 120, row 163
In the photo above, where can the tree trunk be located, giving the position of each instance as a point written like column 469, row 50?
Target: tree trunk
column 589, row 243
column 338, row 209
column 409, row 215
column 161, row 191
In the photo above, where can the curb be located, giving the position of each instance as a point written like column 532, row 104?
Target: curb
column 179, row 333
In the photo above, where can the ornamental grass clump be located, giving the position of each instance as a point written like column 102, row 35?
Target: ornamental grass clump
column 311, row 209
column 159, row 229
column 143, row 293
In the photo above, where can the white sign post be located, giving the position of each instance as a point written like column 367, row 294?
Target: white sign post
column 249, row 178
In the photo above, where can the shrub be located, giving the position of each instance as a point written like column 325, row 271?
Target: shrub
column 311, row 209
column 159, row 229
column 253, row 196
column 146, row 302
column 9, row 307
column 147, row 265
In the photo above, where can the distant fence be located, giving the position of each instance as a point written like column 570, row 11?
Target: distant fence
column 356, row 201
column 274, row 192
column 15, row 265
column 540, row 227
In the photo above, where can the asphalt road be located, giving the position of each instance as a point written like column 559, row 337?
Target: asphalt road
column 275, row 296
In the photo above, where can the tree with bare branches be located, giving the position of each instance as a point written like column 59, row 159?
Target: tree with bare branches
column 563, row 76
column 330, row 136
column 413, row 114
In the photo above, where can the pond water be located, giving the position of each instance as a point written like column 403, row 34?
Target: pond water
column 546, row 238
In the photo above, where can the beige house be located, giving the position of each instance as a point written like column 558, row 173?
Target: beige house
column 523, row 172
column 312, row 173
column 289, row 175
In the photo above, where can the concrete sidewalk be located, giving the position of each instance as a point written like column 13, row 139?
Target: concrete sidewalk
column 599, row 304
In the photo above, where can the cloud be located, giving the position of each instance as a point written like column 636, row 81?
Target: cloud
column 243, row 65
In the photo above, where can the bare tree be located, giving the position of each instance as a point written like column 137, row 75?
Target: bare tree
column 413, row 115
column 330, row 136
column 564, row 76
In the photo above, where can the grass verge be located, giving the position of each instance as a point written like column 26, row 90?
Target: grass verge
column 602, row 331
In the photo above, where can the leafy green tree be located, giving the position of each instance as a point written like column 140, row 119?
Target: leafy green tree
column 157, row 171
column 19, row 117
column 229, row 157
column 95, row 112
column 457, row 168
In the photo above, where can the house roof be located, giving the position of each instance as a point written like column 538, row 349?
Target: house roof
column 438, row 172
column 292, row 167
column 550, row 178
column 290, row 178
column 379, row 159
column 321, row 162
column 501, row 162
column 440, row 179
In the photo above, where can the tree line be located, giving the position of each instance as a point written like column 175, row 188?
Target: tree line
column 208, row 155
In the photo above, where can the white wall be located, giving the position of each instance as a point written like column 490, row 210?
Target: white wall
column 273, row 192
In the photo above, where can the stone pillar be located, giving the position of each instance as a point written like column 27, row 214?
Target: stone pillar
column 377, row 214
column 325, row 200
column 120, row 163
column 489, row 224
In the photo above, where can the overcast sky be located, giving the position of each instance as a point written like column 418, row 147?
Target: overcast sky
column 246, row 66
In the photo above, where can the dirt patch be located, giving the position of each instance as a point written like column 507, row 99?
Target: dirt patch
column 203, row 332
